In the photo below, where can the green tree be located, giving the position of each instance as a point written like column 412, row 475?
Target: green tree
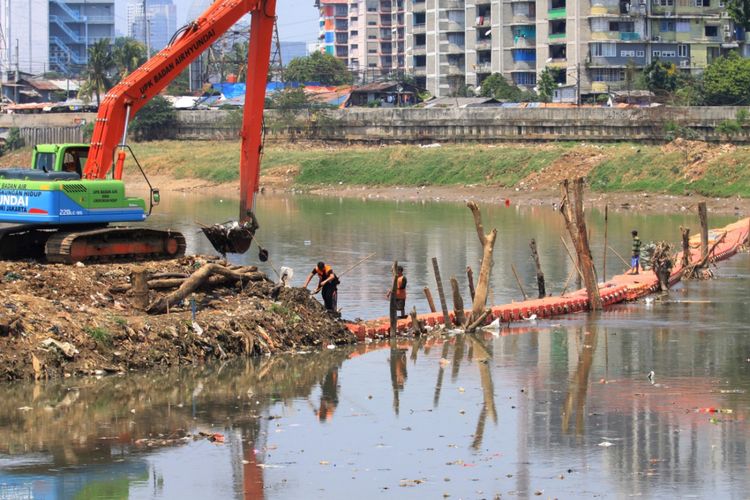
column 497, row 87
column 318, row 67
column 290, row 99
column 181, row 84
column 739, row 11
column 127, row 54
column 661, row 76
column 97, row 70
column 156, row 120
column 726, row 81
column 546, row 85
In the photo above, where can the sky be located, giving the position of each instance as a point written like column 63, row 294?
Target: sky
column 297, row 19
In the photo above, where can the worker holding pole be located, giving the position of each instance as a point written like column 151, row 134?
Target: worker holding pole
column 328, row 282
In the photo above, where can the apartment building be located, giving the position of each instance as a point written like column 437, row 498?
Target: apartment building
column 452, row 44
column 367, row 35
column 52, row 35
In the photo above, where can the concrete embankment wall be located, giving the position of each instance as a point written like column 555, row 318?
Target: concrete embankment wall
column 425, row 125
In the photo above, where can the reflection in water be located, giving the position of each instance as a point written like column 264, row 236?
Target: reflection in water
column 123, row 436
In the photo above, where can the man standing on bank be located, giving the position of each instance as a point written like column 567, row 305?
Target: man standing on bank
column 635, row 259
column 328, row 282
column 400, row 292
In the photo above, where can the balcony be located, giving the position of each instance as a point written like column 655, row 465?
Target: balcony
column 447, row 25
column 524, row 65
column 557, row 37
column 454, row 48
column 451, row 4
column 626, row 36
column 418, row 29
column 482, row 21
column 418, row 6
column 522, row 42
column 420, row 71
column 455, row 70
column 523, row 19
column 484, row 68
column 557, row 13
column 484, row 45
column 419, row 50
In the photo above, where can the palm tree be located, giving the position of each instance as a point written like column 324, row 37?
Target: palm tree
column 97, row 70
column 128, row 54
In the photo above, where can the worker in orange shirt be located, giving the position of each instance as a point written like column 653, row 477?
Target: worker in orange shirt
column 328, row 282
column 400, row 292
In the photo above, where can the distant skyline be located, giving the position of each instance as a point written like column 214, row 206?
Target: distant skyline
column 298, row 19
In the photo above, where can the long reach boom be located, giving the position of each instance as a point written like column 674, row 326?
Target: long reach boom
column 124, row 100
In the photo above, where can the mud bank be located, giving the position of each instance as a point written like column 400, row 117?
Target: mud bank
column 59, row 321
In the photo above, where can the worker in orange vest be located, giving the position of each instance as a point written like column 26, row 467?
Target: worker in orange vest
column 328, row 282
column 400, row 292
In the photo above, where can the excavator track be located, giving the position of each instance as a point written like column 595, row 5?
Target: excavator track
column 114, row 244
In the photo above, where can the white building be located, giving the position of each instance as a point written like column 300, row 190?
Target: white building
column 162, row 22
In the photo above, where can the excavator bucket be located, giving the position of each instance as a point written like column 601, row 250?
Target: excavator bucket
column 231, row 237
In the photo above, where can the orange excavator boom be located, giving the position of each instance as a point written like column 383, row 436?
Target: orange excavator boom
column 124, row 100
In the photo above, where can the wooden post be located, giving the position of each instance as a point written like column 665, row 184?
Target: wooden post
column 431, row 302
column 604, row 257
column 572, row 259
column 565, row 287
column 394, row 287
column 572, row 210
column 470, row 277
column 458, row 303
column 139, row 288
column 518, row 280
column 539, row 273
column 443, row 304
column 685, row 247
column 485, row 271
column 703, row 216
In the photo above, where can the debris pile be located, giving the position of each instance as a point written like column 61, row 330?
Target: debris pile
column 59, row 320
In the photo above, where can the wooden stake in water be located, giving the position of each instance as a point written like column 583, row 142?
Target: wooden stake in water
column 604, row 257
column 703, row 216
column 441, row 294
column 430, row 302
column 470, row 277
column 393, row 299
column 458, row 302
column 539, row 273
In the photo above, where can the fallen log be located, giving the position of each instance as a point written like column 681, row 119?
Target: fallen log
column 199, row 278
column 166, row 284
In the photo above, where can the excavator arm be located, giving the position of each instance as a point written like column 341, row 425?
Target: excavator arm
column 125, row 99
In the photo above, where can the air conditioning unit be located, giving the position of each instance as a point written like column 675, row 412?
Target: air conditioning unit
column 668, row 13
column 727, row 29
column 656, row 38
column 684, row 64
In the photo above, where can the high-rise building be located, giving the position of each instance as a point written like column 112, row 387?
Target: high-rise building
column 592, row 44
column 52, row 35
column 367, row 35
column 161, row 16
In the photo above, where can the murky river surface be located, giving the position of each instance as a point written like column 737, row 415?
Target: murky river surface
column 561, row 408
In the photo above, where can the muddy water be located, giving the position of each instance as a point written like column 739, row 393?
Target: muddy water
column 560, row 408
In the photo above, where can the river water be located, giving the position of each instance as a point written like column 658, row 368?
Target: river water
column 558, row 409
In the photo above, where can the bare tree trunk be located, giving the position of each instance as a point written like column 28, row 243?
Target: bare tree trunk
column 198, row 278
column 458, row 303
column 485, row 271
column 572, row 210
column 703, row 216
column 539, row 273
column 604, row 255
column 470, row 277
column 685, row 247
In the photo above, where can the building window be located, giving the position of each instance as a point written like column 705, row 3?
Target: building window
column 603, row 50
column 663, row 3
column 682, row 50
column 640, row 53
column 607, row 75
column 627, row 53
column 666, row 25
column 682, row 26
column 712, row 31
column 623, row 26
column 524, row 78
column 703, row 3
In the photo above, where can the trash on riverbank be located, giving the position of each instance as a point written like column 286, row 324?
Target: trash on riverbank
column 58, row 320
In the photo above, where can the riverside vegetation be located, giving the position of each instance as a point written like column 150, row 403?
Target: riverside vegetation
column 679, row 167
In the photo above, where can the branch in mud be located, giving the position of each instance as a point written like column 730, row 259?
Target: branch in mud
column 198, row 279
column 485, row 271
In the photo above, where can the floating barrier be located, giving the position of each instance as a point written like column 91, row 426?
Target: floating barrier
column 620, row 288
